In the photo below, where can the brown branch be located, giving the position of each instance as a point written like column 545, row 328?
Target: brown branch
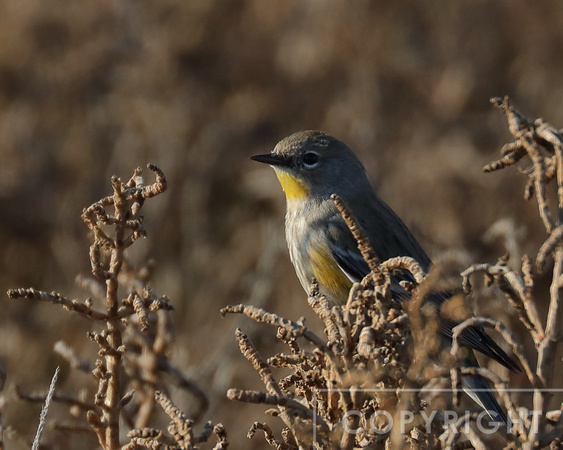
column 185, row 383
column 181, row 426
column 363, row 242
column 512, row 153
column 284, row 336
column 516, row 291
column 269, row 436
column 39, row 397
column 248, row 396
column 507, row 335
column 526, row 135
column 81, row 308
column 97, row 425
column 252, row 355
column 405, row 262
column 262, row 316
column 221, row 433
column 321, row 306
column 170, row 408
column 452, row 434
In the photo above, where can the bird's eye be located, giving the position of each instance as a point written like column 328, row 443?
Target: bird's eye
column 310, row 159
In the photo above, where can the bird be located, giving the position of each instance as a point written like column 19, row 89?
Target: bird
column 311, row 166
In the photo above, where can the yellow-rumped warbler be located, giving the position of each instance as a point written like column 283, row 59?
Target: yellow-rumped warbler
column 311, row 166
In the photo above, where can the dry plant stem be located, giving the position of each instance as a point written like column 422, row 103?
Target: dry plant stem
column 269, row 436
column 516, row 291
column 56, row 397
column 549, row 133
column 57, row 299
column 188, row 385
column 554, row 323
column 221, row 433
column 548, row 247
column 320, row 305
column 181, row 428
column 252, row 355
column 75, row 428
column 533, row 137
column 107, row 261
column 362, row 240
column 278, row 400
column 404, row 262
column 539, row 182
column 506, row 334
column 95, row 422
column 512, row 153
column 169, row 408
column 113, row 359
column 548, row 346
column 109, row 391
column 291, row 342
column 449, row 438
column 456, row 384
column 260, row 315
column 44, row 411
column 348, row 436
column 272, row 386
column 75, row 362
column 552, row 436
column 524, row 132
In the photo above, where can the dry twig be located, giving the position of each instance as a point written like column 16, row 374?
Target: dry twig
column 136, row 336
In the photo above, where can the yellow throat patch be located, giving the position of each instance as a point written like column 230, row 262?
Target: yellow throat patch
column 293, row 187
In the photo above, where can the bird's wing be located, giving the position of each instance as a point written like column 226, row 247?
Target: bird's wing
column 345, row 251
column 353, row 266
column 473, row 337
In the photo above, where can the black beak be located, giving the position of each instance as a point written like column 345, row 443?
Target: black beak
column 271, row 158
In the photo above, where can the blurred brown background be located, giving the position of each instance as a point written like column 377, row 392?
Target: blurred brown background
column 89, row 89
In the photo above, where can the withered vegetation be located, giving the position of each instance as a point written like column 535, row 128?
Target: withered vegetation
column 136, row 333
column 377, row 355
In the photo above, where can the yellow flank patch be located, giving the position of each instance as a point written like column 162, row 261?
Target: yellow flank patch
column 293, row 187
column 328, row 274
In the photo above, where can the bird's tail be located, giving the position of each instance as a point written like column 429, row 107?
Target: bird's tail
column 479, row 390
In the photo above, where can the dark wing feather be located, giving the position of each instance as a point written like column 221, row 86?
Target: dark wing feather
column 345, row 251
column 354, row 266
column 479, row 390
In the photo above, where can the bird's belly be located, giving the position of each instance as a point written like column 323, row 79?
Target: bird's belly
column 313, row 259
